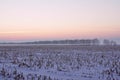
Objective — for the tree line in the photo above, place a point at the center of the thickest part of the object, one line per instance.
(77, 41)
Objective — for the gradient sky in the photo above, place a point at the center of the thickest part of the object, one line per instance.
(22, 20)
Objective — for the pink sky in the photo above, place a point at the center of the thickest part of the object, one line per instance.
(63, 19)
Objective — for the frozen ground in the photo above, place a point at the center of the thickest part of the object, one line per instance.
(59, 62)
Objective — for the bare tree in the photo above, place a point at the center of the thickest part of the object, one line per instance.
(106, 42)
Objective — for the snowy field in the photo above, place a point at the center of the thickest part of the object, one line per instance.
(59, 62)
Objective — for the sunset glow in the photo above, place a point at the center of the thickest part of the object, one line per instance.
(22, 20)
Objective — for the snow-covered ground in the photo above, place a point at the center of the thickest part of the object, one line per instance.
(59, 62)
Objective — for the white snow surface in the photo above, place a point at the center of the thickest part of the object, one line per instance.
(59, 62)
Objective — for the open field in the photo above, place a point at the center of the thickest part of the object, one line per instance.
(59, 62)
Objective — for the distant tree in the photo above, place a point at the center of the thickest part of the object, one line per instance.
(95, 42)
(113, 43)
(88, 42)
(106, 42)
